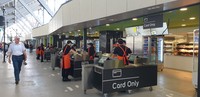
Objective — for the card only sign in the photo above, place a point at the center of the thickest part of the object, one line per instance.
(153, 21)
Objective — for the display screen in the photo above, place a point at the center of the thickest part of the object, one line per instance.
(131, 58)
(103, 59)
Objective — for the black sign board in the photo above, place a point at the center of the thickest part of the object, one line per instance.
(153, 21)
(2, 21)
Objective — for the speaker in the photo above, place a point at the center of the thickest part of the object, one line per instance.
(2, 21)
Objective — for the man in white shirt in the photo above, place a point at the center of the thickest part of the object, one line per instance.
(18, 52)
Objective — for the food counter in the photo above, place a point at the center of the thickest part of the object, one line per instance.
(111, 78)
(178, 62)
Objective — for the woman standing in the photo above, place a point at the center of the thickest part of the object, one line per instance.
(66, 62)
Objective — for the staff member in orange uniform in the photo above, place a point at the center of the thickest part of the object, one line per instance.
(66, 62)
(121, 51)
(38, 53)
(42, 52)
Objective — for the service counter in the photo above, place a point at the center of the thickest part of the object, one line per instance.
(76, 66)
(178, 62)
(76, 69)
(108, 80)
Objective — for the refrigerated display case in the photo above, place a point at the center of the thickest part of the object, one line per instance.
(153, 49)
(195, 58)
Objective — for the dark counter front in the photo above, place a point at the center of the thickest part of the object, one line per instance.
(76, 69)
(122, 79)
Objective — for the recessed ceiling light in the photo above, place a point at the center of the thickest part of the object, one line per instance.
(70, 32)
(183, 9)
(134, 19)
(118, 28)
(79, 34)
(183, 25)
(90, 28)
(192, 18)
(79, 30)
(107, 24)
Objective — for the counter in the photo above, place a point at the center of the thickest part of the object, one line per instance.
(178, 62)
(123, 79)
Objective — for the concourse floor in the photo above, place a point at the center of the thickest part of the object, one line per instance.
(39, 80)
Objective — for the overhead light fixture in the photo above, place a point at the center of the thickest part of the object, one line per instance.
(183, 9)
(63, 33)
(70, 32)
(79, 30)
(90, 28)
(107, 24)
(118, 28)
(183, 25)
(134, 19)
(79, 34)
(192, 18)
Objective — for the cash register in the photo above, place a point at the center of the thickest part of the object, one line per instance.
(102, 60)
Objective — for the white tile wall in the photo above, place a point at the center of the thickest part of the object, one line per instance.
(116, 7)
(85, 10)
(75, 11)
(40, 31)
(66, 14)
(138, 4)
(163, 1)
(98, 9)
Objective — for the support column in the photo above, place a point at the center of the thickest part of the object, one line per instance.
(4, 38)
(198, 77)
(85, 38)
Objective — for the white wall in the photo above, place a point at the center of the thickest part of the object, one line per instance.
(28, 36)
(77, 11)
(163, 1)
(41, 31)
(138, 4)
(85, 10)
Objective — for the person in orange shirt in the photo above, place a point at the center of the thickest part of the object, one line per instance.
(121, 52)
(42, 52)
(66, 62)
(38, 53)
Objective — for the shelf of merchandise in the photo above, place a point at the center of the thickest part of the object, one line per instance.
(168, 47)
(186, 49)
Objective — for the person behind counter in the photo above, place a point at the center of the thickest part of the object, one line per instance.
(66, 63)
(91, 52)
(128, 49)
(122, 51)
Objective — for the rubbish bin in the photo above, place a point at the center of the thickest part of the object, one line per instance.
(87, 77)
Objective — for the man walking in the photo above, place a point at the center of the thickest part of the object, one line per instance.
(18, 52)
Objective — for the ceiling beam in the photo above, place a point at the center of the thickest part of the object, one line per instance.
(30, 11)
(46, 7)
(23, 27)
(24, 17)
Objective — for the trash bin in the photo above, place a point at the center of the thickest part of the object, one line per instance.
(87, 77)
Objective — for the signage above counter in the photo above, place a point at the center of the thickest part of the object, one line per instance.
(153, 21)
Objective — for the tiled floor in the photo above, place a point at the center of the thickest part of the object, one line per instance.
(39, 80)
